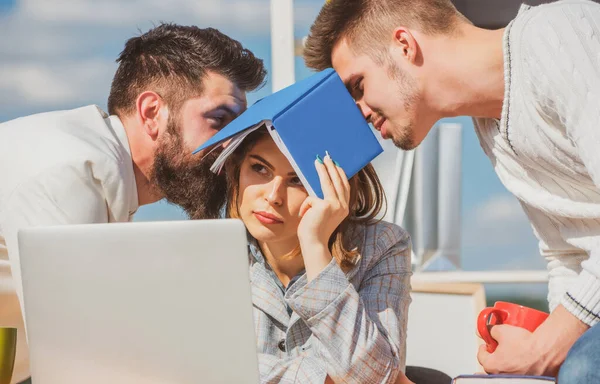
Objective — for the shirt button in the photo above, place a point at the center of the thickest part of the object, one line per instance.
(281, 345)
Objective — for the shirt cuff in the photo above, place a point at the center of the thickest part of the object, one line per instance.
(582, 299)
(309, 299)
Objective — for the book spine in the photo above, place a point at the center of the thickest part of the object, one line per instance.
(303, 95)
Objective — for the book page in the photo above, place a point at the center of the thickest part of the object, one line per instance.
(234, 143)
(282, 147)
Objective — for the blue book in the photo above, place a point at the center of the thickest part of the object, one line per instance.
(502, 379)
(306, 119)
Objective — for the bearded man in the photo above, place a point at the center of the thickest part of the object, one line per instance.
(175, 87)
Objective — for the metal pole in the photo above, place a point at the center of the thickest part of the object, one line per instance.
(449, 194)
(282, 43)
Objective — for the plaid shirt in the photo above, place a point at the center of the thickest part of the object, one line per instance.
(350, 326)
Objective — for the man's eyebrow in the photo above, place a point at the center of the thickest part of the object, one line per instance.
(227, 109)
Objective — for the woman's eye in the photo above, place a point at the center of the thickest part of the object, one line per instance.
(296, 181)
(259, 168)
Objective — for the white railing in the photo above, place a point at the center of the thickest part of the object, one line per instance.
(488, 277)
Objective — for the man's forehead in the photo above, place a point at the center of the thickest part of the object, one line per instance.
(217, 86)
(345, 62)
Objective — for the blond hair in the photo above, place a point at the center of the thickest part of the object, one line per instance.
(366, 24)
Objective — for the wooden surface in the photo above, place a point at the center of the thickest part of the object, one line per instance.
(442, 327)
(454, 288)
(10, 316)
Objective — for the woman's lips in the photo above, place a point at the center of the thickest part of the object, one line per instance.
(267, 218)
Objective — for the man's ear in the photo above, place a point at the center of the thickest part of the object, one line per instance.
(405, 43)
(152, 113)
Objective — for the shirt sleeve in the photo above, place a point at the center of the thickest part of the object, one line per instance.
(363, 333)
(61, 195)
(302, 369)
(563, 43)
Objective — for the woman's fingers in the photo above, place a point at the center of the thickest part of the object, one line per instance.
(326, 183)
(306, 205)
(334, 183)
(345, 182)
(336, 180)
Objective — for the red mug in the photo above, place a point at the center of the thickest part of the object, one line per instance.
(510, 314)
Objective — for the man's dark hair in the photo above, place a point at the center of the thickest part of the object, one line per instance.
(173, 60)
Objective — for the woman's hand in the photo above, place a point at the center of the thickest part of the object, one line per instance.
(320, 217)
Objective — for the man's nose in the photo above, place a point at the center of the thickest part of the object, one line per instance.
(275, 193)
(365, 110)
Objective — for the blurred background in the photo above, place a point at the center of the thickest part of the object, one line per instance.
(60, 54)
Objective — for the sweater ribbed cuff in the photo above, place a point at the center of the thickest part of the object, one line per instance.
(582, 299)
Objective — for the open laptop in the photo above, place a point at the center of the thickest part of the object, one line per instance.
(145, 303)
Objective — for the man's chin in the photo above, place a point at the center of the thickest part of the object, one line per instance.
(405, 146)
(197, 190)
(201, 201)
(405, 143)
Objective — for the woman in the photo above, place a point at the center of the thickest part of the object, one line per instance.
(330, 285)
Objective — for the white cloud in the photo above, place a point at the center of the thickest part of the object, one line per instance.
(119, 13)
(243, 16)
(42, 28)
(499, 220)
(47, 84)
(503, 209)
(497, 235)
(61, 52)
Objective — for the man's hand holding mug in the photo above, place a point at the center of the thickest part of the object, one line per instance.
(508, 314)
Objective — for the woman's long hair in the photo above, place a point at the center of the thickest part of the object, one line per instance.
(367, 199)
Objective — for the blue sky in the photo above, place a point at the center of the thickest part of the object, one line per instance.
(58, 54)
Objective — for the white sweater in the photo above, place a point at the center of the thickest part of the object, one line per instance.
(65, 167)
(546, 147)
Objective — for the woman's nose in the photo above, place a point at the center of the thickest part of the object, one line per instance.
(274, 192)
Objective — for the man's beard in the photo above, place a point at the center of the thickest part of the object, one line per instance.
(405, 85)
(186, 180)
(403, 139)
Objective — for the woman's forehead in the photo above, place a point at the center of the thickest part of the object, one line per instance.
(266, 148)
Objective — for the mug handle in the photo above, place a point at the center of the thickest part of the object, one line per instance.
(482, 327)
